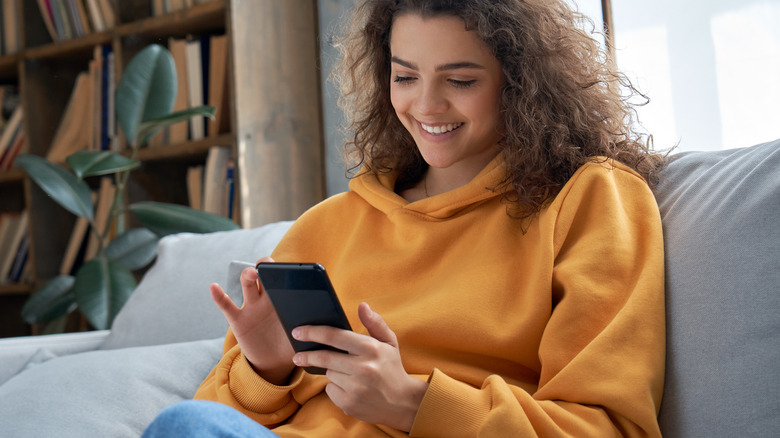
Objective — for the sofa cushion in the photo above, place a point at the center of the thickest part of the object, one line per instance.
(172, 302)
(15, 353)
(114, 393)
(720, 214)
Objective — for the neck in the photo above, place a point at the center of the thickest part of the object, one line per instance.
(440, 180)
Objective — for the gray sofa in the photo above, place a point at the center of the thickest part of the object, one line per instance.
(721, 216)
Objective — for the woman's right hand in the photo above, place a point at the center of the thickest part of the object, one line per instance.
(257, 328)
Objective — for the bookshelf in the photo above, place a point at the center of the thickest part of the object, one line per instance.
(45, 70)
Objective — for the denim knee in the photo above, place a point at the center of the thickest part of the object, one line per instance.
(199, 418)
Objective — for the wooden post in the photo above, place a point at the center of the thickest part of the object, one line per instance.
(278, 120)
(609, 27)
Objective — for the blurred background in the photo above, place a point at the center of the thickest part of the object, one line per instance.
(711, 69)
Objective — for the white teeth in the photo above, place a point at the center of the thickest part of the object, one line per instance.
(441, 129)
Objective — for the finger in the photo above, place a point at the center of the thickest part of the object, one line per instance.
(376, 325)
(257, 283)
(333, 361)
(344, 340)
(223, 301)
(250, 285)
(337, 394)
(266, 260)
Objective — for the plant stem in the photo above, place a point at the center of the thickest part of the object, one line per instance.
(120, 182)
(101, 237)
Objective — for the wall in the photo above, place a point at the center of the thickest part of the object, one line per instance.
(330, 11)
(710, 68)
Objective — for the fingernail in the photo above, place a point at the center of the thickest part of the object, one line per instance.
(296, 333)
(297, 359)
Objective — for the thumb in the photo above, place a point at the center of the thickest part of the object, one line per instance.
(376, 325)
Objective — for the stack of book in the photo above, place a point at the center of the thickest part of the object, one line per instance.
(93, 95)
(66, 19)
(14, 246)
(11, 133)
(211, 187)
(201, 65)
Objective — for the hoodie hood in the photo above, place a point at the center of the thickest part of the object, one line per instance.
(378, 191)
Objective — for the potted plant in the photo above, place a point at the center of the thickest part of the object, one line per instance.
(144, 100)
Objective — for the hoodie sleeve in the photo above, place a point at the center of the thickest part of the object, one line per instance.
(233, 382)
(602, 351)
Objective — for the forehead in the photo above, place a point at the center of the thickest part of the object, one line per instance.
(413, 35)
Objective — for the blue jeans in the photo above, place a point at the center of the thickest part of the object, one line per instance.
(199, 418)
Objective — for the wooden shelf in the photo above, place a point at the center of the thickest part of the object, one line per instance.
(199, 18)
(9, 67)
(12, 176)
(63, 49)
(15, 289)
(190, 148)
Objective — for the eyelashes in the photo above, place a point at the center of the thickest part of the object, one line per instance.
(405, 80)
(462, 84)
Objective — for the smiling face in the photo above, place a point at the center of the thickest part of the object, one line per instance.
(445, 88)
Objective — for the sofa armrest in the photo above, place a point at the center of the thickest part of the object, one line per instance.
(15, 353)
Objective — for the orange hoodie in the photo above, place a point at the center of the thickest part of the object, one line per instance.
(558, 331)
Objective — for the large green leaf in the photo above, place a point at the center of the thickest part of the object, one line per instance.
(102, 287)
(91, 163)
(64, 187)
(147, 129)
(134, 249)
(170, 218)
(146, 91)
(55, 299)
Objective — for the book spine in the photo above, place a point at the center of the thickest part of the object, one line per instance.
(56, 16)
(113, 143)
(78, 28)
(205, 53)
(230, 189)
(20, 261)
(105, 140)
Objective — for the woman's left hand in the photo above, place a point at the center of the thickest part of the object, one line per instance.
(370, 382)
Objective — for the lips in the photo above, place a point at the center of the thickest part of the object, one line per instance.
(440, 129)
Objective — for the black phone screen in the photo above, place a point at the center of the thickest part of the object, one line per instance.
(302, 294)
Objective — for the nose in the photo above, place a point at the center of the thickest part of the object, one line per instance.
(431, 100)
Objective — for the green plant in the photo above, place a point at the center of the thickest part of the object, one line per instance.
(101, 286)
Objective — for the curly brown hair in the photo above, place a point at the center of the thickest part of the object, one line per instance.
(562, 102)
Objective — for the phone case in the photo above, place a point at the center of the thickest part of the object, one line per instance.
(302, 294)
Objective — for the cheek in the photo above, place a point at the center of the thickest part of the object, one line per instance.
(400, 105)
(487, 108)
(396, 99)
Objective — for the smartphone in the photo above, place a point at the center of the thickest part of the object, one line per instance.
(302, 294)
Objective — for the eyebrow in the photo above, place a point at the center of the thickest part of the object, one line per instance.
(441, 67)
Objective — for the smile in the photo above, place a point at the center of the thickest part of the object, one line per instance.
(441, 129)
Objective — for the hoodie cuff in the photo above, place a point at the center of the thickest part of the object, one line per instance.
(257, 394)
(450, 408)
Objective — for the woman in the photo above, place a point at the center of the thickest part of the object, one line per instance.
(499, 253)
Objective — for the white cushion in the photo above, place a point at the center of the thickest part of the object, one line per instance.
(172, 302)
